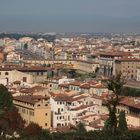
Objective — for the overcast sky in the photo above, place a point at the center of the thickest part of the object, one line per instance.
(70, 15)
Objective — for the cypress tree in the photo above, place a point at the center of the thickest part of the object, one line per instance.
(114, 84)
(122, 122)
(6, 100)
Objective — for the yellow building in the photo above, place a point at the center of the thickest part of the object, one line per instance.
(84, 66)
(87, 66)
(34, 108)
(127, 66)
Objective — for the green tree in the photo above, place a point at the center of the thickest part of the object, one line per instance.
(72, 73)
(6, 99)
(32, 132)
(122, 122)
(107, 124)
(80, 128)
(114, 84)
(25, 46)
(32, 129)
(11, 121)
(45, 135)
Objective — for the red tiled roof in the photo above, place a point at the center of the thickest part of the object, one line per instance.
(75, 83)
(82, 107)
(85, 85)
(116, 54)
(33, 89)
(78, 98)
(131, 102)
(64, 85)
(32, 99)
(62, 97)
(128, 59)
(19, 68)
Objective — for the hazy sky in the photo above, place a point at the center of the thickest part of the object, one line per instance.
(70, 15)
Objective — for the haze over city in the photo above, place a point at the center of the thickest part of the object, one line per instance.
(69, 69)
(120, 16)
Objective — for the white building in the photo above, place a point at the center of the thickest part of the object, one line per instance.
(13, 57)
(61, 115)
(69, 109)
(138, 74)
(11, 76)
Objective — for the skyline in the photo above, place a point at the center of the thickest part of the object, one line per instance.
(70, 16)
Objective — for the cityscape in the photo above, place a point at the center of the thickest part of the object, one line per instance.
(70, 84)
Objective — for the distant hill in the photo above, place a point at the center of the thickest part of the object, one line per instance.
(48, 37)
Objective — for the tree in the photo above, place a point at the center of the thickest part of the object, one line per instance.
(11, 121)
(25, 46)
(46, 135)
(114, 84)
(6, 99)
(107, 124)
(72, 73)
(92, 75)
(122, 122)
(33, 129)
(80, 128)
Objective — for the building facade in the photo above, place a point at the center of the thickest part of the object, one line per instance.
(127, 66)
(34, 108)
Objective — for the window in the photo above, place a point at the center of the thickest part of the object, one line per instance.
(58, 124)
(45, 124)
(38, 105)
(68, 118)
(31, 113)
(6, 73)
(118, 110)
(23, 110)
(46, 114)
(24, 79)
(58, 110)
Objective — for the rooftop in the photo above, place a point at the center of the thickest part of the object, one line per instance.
(31, 99)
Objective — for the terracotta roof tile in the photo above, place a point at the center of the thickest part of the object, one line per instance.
(131, 102)
(29, 99)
